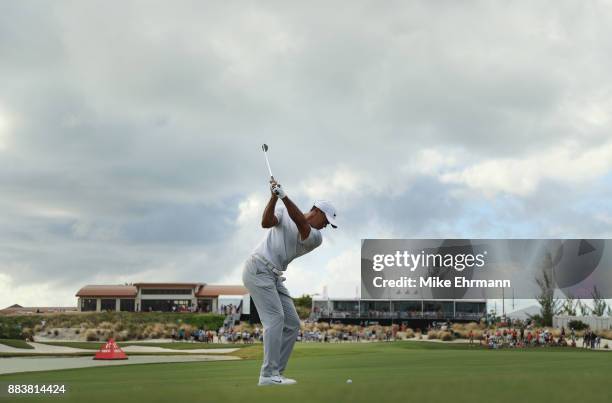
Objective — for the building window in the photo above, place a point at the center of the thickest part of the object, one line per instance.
(205, 305)
(149, 305)
(376, 309)
(470, 310)
(109, 305)
(88, 304)
(408, 309)
(126, 305)
(438, 309)
(345, 306)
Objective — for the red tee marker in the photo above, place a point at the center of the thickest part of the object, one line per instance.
(110, 351)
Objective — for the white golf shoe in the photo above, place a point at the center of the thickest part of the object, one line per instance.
(288, 381)
(275, 380)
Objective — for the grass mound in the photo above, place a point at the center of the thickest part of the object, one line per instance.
(16, 344)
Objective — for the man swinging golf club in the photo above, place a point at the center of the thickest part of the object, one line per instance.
(291, 234)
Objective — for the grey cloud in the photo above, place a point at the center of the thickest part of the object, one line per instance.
(142, 121)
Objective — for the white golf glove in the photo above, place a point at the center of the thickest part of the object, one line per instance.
(277, 189)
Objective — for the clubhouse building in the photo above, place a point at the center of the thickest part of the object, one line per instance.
(202, 297)
(414, 312)
(164, 297)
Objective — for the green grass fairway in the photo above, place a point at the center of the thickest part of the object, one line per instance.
(381, 372)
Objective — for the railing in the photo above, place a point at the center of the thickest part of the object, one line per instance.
(397, 315)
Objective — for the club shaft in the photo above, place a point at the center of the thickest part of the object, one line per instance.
(268, 164)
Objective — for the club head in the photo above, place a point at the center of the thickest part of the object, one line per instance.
(264, 147)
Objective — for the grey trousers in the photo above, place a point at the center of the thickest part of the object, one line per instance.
(277, 313)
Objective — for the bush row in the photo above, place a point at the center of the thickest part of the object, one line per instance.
(131, 323)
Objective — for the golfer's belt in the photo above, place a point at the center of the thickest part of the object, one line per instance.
(268, 264)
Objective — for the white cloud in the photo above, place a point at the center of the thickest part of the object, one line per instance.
(341, 274)
(343, 181)
(250, 209)
(34, 294)
(4, 130)
(565, 164)
(604, 218)
(431, 161)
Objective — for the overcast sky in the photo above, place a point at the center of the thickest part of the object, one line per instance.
(130, 132)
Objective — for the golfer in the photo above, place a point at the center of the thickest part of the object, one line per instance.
(291, 234)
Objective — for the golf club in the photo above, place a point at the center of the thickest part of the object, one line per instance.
(264, 147)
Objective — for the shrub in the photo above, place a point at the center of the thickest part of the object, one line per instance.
(322, 326)
(462, 334)
(577, 325)
(432, 335)
(445, 336)
(27, 333)
(303, 312)
(477, 334)
(242, 327)
(132, 333)
(606, 334)
(91, 335)
(159, 330)
(473, 326)
(55, 332)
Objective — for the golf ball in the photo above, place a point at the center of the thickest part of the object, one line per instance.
(349, 381)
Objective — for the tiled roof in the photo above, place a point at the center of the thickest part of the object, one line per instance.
(168, 285)
(107, 291)
(210, 290)
(203, 290)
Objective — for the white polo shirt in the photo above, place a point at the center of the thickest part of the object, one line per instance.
(283, 243)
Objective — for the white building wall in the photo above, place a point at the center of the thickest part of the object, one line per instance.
(246, 304)
(594, 322)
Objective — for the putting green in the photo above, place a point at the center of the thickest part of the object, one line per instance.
(398, 372)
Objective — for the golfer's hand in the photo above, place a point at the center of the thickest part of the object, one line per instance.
(273, 183)
(277, 190)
